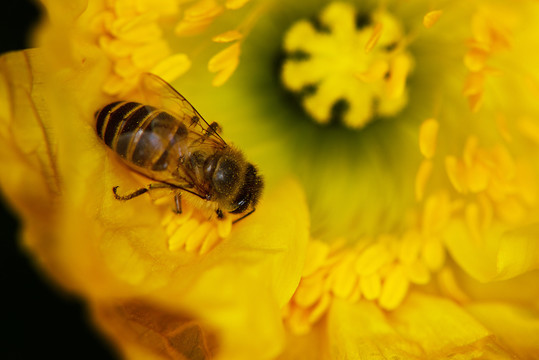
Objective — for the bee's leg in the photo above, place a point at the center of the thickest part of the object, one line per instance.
(128, 196)
(244, 216)
(219, 213)
(178, 203)
(138, 192)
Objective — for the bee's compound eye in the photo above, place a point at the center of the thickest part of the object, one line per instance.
(225, 176)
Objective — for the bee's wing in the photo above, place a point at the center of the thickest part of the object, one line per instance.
(160, 94)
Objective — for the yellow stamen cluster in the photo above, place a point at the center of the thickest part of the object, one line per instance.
(194, 234)
(350, 66)
(491, 34)
(380, 269)
(131, 34)
(500, 185)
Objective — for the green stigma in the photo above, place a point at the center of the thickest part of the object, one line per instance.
(347, 66)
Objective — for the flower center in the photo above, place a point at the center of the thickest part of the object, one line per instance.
(347, 66)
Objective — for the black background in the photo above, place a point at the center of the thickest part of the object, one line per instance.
(37, 321)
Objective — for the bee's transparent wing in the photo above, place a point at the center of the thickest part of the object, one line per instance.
(160, 94)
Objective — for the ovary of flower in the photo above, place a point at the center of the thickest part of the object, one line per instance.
(363, 67)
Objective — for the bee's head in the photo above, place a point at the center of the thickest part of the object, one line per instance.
(236, 184)
(249, 192)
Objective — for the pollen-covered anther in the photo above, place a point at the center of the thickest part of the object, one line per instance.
(355, 70)
(491, 31)
(191, 232)
(131, 34)
(497, 186)
(428, 133)
(381, 272)
(198, 16)
(431, 18)
(225, 63)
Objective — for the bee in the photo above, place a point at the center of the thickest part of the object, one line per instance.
(169, 142)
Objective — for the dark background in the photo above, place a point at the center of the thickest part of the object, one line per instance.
(36, 320)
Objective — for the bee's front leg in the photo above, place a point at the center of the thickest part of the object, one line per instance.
(178, 203)
(219, 213)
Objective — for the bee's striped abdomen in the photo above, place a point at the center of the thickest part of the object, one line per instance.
(141, 134)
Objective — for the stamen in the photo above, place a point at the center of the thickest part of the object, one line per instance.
(422, 176)
(193, 232)
(371, 286)
(431, 18)
(224, 63)
(379, 269)
(428, 133)
(131, 34)
(491, 34)
(394, 288)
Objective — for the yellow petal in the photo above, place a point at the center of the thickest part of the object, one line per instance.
(411, 331)
(518, 252)
(516, 326)
(422, 318)
(478, 259)
(501, 253)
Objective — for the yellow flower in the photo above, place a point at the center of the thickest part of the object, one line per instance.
(397, 141)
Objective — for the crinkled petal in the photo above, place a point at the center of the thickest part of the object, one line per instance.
(516, 326)
(499, 255)
(423, 327)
